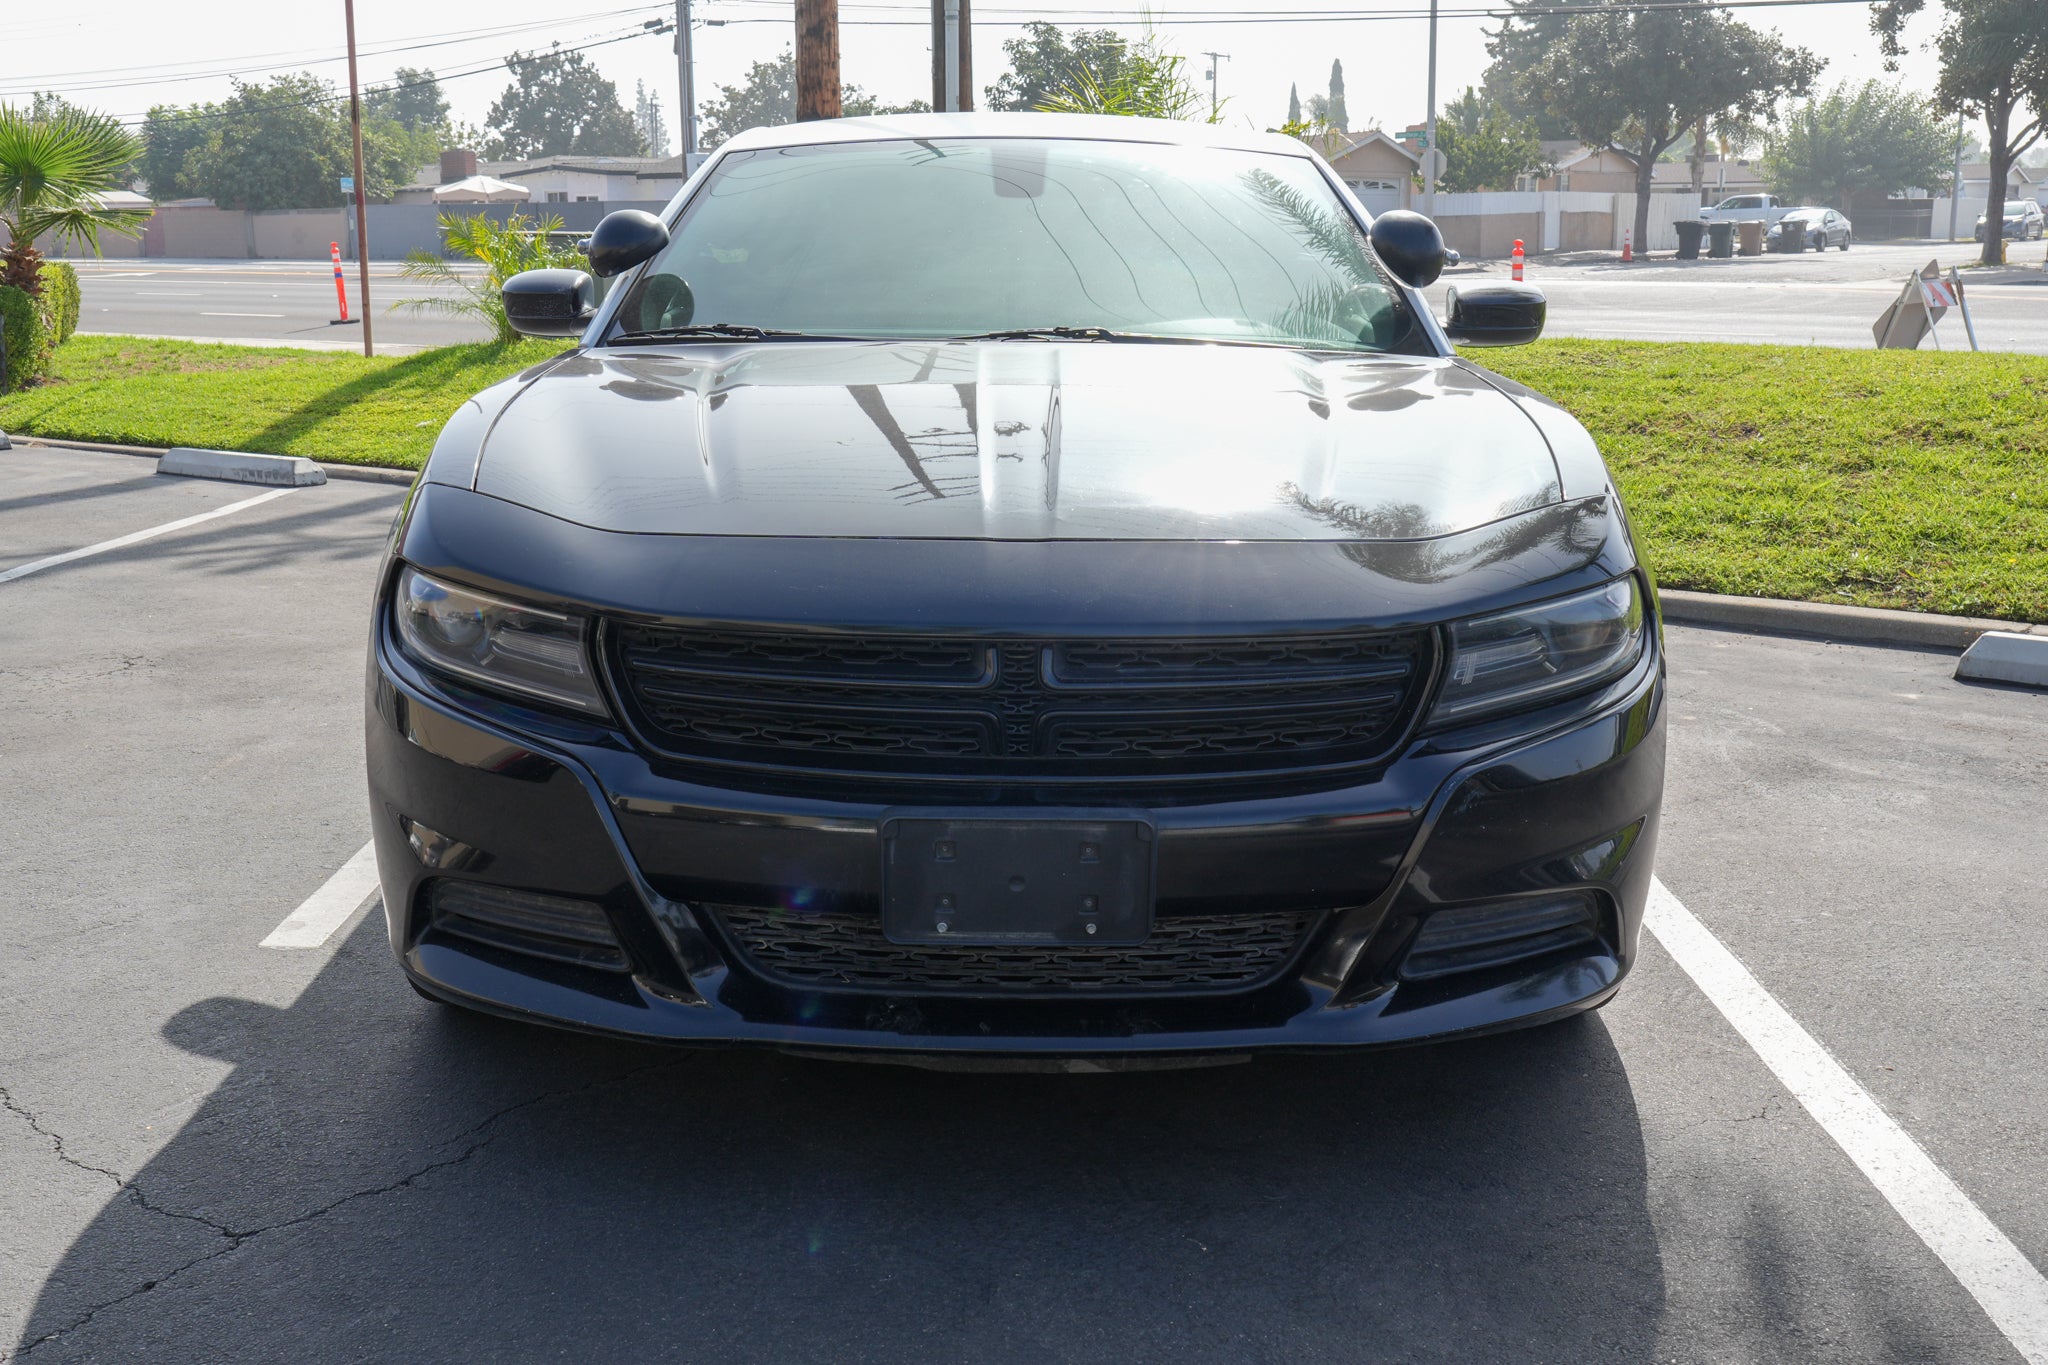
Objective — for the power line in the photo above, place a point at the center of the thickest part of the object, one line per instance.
(258, 64)
(194, 115)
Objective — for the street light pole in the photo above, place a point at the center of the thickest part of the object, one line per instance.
(355, 119)
(686, 83)
(1429, 126)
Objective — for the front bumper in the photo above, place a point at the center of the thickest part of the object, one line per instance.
(466, 787)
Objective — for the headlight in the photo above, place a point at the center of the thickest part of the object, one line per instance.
(500, 644)
(1520, 659)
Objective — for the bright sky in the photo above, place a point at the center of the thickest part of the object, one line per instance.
(125, 55)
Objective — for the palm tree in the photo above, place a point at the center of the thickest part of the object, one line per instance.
(53, 171)
(504, 250)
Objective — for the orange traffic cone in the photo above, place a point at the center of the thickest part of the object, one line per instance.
(1628, 251)
(1518, 258)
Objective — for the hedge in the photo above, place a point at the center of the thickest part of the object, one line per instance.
(60, 297)
(26, 331)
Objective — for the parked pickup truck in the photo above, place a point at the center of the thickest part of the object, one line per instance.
(1740, 208)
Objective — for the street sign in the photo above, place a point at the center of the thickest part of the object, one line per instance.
(1432, 165)
(348, 184)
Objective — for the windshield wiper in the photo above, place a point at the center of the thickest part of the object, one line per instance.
(702, 329)
(1052, 334)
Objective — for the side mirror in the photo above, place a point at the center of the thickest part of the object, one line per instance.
(623, 239)
(550, 303)
(1409, 245)
(1496, 315)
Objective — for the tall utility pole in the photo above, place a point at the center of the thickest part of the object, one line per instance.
(1429, 127)
(952, 56)
(686, 82)
(355, 119)
(1216, 59)
(1955, 191)
(817, 59)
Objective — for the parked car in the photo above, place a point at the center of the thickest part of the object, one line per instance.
(1128, 627)
(1809, 229)
(1746, 208)
(2023, 221)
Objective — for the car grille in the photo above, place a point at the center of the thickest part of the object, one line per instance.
(1187, 954)
(982, 709)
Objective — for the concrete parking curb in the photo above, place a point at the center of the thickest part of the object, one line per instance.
(2008, 657)
(234, 466)
(1858, 625)
(363, 473)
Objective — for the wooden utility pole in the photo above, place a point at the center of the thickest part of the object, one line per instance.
(355, 118)
(686, 83)
(817, 59)
(952, 56)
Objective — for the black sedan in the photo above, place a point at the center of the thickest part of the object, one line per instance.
(1809, 229)
(1016, 585)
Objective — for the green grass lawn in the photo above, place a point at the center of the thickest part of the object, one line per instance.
(1886, 478)
(1883, 478)
(327, 405)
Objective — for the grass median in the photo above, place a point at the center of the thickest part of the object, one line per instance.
(326, 405)
(1883, 478)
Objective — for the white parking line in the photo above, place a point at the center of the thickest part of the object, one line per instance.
(327, 909)
(38, 565)
(2002, 1280)
(241, 315)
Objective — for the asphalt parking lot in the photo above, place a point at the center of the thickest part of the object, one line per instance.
(214, 1150)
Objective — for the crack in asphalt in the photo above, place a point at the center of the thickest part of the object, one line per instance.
(237, 1238)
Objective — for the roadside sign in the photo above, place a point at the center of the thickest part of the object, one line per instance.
(1925, 301)
(348, 184)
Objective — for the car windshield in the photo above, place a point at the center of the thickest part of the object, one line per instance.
(937, 238)
(2015, 210)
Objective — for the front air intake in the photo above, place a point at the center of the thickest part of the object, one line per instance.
(529, 922)
(1473, 937)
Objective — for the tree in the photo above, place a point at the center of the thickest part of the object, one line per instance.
(1994, 66)
(1646, 77)
(767, 99)
(52, 174)
(413, 100)
(647, 118)
(1149, 82)
(1873, 139)
(169, 136)
(1044, 61)
(1339, 116)
(1485, 147)
(558, 104)
(283, 145)
(1293, 105)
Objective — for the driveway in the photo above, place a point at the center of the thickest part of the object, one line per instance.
(215, 1150)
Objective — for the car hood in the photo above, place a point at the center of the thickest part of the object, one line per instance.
(1016, 441)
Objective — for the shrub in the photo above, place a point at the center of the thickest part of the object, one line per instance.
(505, 249)
(60, 298)
(27, 337)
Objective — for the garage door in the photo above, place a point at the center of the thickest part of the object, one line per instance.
(1378, 196)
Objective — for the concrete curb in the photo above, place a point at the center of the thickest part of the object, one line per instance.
(362, 473)
(233, 466)
(1859, 625)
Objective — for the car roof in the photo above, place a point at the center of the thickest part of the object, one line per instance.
(1089, 127)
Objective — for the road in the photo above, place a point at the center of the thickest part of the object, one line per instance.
(1826, 298)
(1830, 298)
(213, 1150)
(271, 303)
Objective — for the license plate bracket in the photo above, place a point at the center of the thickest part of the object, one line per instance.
(997, 881)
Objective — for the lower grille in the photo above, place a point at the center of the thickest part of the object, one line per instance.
(1188, 954)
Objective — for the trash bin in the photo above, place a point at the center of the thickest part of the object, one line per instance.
(1689, 230)
(1752, 236)
(1791, 238)
(1724, 239)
